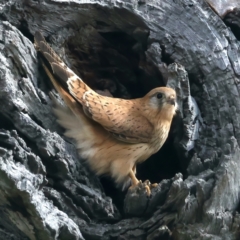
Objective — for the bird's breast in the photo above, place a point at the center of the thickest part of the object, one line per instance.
(160, 136)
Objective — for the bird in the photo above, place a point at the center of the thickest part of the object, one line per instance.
(112, 134)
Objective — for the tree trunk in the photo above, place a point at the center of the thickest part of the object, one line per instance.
(125, 48)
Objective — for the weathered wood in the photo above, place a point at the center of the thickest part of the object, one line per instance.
(223, 7)
(47, 191)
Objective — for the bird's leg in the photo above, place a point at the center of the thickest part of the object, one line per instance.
(135, 181)
(150, 185)
(134, 169)
(133, 178)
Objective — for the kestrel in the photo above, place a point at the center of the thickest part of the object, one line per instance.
(112, 134)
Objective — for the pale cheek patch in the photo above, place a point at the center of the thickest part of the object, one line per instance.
(154, 103)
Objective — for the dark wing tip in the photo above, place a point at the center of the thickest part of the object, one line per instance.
(49, 57)
(61, 72)
(38, 37)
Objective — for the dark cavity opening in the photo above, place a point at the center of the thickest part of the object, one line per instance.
(232, 21)
(23, 28)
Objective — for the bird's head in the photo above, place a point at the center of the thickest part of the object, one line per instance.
(162, 100)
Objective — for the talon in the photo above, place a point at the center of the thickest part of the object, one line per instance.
(147, 185)
(148, 190)
(147, 182)
(154, 185)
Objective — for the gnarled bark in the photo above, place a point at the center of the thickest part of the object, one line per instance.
(126, 47)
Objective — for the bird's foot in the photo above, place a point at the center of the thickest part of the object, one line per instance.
(153, 185)
(135, 183)
(149, 186)
(146, 184)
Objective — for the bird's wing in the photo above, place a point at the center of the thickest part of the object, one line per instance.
(121, 118)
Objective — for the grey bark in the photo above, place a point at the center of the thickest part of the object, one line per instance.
(47, 190)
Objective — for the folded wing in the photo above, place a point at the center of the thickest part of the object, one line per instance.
(123, 119)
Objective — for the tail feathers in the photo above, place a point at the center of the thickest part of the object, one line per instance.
(79, 127)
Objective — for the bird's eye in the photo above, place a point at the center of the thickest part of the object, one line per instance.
(159, 95)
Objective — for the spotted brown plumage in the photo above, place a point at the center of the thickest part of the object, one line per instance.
(112, 134)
